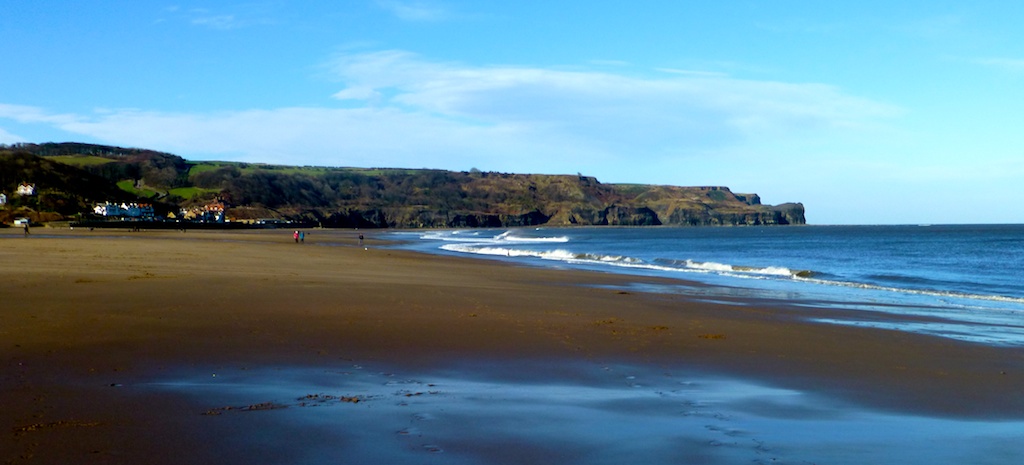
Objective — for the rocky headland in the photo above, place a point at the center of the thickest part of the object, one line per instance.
(69, 178)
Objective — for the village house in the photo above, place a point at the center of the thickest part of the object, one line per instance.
(209, 213)
(26, 189)
(124, 210)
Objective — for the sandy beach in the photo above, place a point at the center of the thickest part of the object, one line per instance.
(245, 347)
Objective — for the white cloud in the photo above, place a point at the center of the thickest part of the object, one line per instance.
(935, 27)
(357, 93)
(8, 138)
(244, 15)
(683, 108)
(1007, 64)
(30, 114)
(402, 110)
(222, 22)
(415, 10)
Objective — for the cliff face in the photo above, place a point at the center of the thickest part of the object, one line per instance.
(371, 198)
(534, 200)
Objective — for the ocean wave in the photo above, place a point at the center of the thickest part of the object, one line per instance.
(557, 254)
(475, 237)
(922, 292)
(510, 236)
(630, 262)
(737, 269)
(496, 246)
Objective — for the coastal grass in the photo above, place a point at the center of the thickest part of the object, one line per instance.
(128, 185)
(192, 192)
(81, 161)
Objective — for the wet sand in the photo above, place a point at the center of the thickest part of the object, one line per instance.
(169, 347)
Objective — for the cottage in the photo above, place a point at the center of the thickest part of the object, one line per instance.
(26, 189)
(124, 210)
(107, 209)
(209, 213)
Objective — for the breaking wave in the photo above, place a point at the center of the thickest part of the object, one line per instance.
(737, 269)
(911, 291)
(625, 261)
(476, 237)
(514, 244)
(558, 254)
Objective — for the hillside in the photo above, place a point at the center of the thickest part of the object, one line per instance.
(61, 190)
(369, 198)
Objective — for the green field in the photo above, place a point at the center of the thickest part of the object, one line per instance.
(249, 168)
(80, 160)
(190, 192)
(129, 186)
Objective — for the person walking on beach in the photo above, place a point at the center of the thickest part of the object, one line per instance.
(296, 236)
(302, 237)
(26, 228)
(360, 240)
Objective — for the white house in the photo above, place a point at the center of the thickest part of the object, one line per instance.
(130, 210)
(3, 199)
(26, 189)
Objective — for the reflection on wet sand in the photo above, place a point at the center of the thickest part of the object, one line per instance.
(572, 413)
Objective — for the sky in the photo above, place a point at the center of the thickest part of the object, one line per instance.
(867, 112)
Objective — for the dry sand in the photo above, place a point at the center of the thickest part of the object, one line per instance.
(88, 319)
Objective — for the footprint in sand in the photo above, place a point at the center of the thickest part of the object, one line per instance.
(409, 432)
(434, 449)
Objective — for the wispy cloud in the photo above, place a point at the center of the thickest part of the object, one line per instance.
(800, 26)
(250, 15)
(582, 102)
(30, 114)
(403, 110)
(415, 10)
(222, 22)
(935, 27)
(8, 138)
(1007, 64)
(689, 72)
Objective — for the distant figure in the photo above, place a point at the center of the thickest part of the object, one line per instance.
(296, 236)
(360, 240)
(26, 229)
(302, 237)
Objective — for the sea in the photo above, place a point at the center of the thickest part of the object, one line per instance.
(964, 282)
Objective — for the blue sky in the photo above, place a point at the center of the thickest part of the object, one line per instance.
(865, 111)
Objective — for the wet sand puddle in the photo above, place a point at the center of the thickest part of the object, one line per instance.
(497, 414)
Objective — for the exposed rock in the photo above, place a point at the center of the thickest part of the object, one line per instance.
(365, 197)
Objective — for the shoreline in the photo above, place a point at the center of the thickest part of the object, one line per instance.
(94, 316)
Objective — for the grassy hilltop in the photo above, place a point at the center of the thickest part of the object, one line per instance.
(70, 177)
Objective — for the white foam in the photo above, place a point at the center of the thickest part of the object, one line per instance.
(475, 237)
(925, 292)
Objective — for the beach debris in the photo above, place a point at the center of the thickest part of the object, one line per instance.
(308, 400)
(55, 424)
(711, 336)
(246, 408)
(263, 406)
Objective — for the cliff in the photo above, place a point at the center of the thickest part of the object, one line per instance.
(373, 198)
